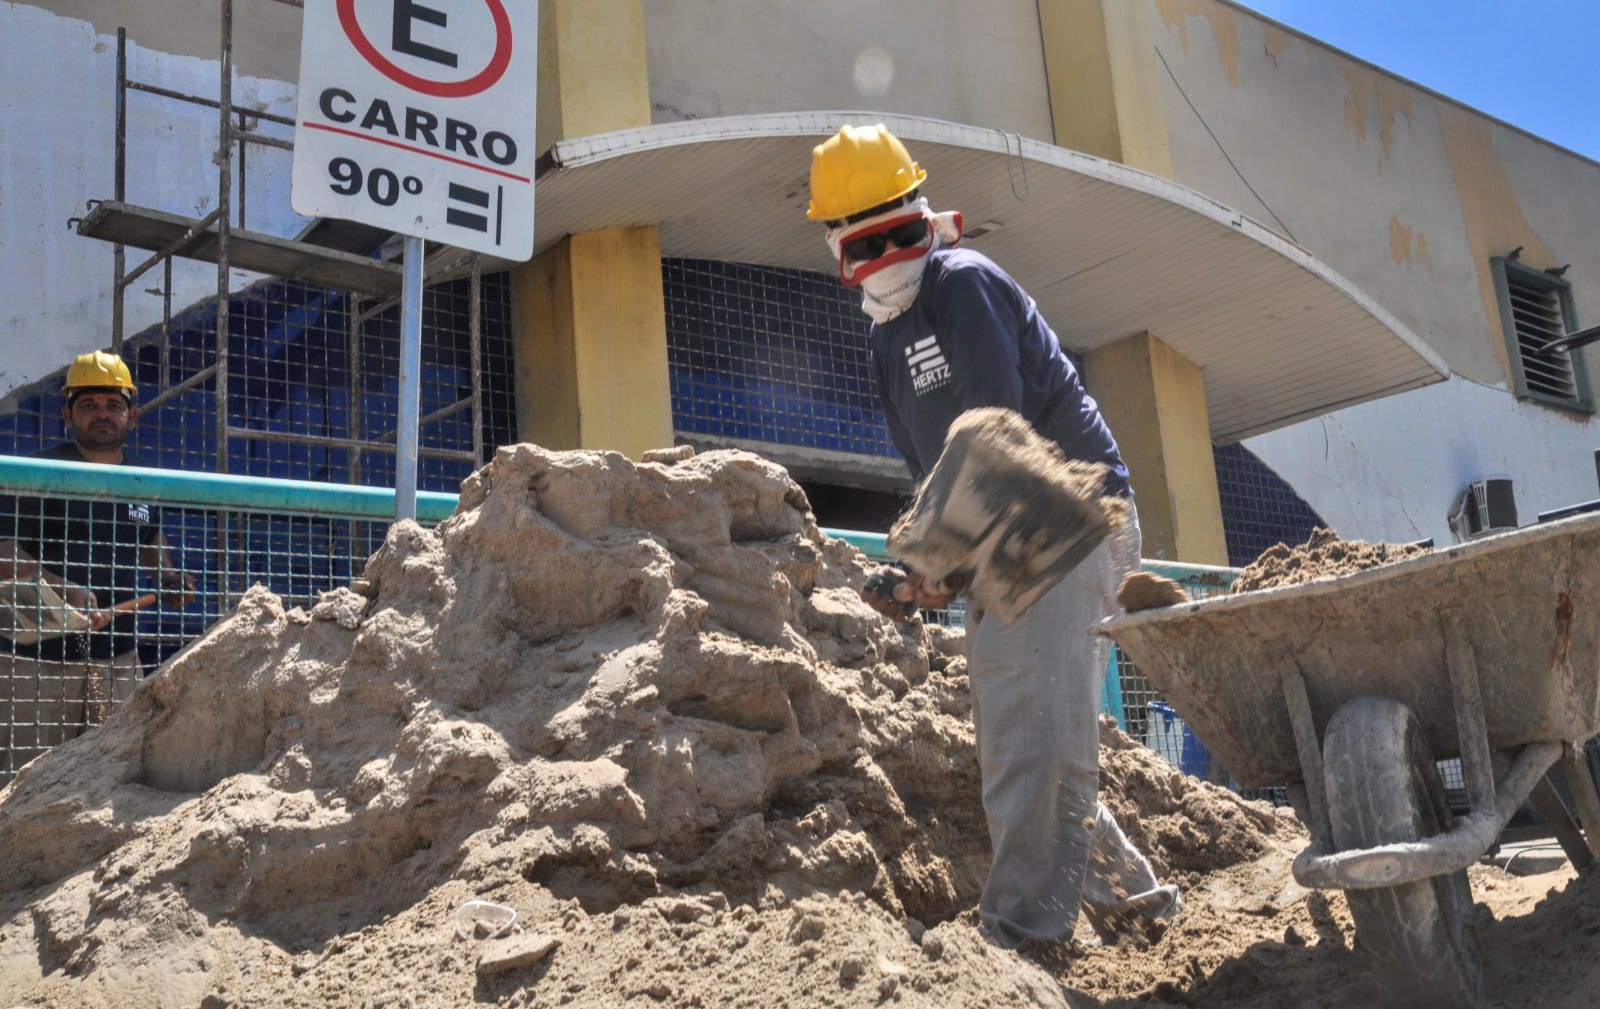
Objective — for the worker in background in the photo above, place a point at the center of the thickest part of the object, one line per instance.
(952, 331)
(87, 552)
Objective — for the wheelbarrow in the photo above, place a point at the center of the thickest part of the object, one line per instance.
(1348, 690)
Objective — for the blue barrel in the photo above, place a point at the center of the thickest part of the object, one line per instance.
(1170, 736)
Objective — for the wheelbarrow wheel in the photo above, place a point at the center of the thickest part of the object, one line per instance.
(1383, 787)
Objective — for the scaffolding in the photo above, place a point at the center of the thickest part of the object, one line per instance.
(344, 256)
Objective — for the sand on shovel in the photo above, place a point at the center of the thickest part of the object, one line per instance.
(1004, 515)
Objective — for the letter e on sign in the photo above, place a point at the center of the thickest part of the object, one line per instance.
(418, 116)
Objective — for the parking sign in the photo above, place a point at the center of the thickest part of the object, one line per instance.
(418, 116)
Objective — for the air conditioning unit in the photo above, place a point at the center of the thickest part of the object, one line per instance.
(1486, 506)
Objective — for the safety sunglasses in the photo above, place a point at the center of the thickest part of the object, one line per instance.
(905, 235)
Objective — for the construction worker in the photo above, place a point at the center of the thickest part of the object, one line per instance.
(87, 552)
(952, 331)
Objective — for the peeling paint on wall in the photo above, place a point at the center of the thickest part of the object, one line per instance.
(1399, 241)
(1494, 219)
(1370, 88)
(1401, 247)
(1224, 29)
(1278, 41)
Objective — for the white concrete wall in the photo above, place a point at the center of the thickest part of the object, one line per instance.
(266, 34)
(1393, 470)
(57, 149)
(1408, 195)
(977, 63)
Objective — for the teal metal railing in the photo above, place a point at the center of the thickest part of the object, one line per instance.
(52, 478)
(301, 538)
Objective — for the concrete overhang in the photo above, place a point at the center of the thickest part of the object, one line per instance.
(1108, 251)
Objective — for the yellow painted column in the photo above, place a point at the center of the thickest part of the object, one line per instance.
(592, 72)
(589, 314)
(1155, 401)
(591, 353)
(1101, 71)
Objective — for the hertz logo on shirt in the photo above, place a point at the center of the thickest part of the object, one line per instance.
(929, 369)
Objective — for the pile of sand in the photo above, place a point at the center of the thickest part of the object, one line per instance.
(640, 707)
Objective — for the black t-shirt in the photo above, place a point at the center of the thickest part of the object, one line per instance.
(93, 543)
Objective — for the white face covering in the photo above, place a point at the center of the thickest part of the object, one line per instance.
(890, 288)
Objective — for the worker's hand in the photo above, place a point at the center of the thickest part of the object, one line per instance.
(887, 592)
(924, 594)
(177, 588)
(81, 599)
(896, 592)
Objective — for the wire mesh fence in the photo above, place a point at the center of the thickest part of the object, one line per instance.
(167, 554)
(770, 355)
(1136, 704)
(156, 558)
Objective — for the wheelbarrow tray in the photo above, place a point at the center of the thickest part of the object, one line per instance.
(1529, 601)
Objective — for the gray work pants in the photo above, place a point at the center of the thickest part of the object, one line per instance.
(1035, 705)
(45, 703)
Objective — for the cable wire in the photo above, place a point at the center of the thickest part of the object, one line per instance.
(1202, 119)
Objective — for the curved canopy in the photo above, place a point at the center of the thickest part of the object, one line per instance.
(1108, 251)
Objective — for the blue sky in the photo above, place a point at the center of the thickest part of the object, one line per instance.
(1534, 65)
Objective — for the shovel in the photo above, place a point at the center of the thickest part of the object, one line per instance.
(1004, 515)
(36, 611)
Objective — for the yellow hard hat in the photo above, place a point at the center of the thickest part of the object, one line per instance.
(99, 370)
(862, 167)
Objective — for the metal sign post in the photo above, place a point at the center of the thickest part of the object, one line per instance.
(418, 116)
(405, 438)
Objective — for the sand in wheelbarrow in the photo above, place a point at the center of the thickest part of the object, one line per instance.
(1322, 555)
(615, 734)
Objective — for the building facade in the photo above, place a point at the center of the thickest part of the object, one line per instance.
(1304, 289)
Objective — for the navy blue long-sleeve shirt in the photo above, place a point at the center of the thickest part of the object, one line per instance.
(974, 338)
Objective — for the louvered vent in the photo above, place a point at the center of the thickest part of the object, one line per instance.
(1543, 340)
(1538, 318)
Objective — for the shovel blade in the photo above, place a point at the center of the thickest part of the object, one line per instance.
(1004, 514)
(31, 611)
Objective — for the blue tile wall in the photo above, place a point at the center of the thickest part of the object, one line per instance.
(770, 355)
(1259, 510)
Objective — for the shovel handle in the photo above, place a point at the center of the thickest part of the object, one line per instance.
(130, 605)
